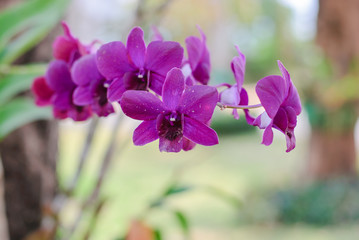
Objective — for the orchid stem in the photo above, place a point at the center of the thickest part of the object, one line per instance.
(223, 85)
(222, 106)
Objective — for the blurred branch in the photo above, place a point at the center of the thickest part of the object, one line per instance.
(93, 197)
(93, 221)
(84, 154)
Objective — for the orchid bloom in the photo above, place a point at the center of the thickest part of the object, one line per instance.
(58, 78)
(281, 102)
(198, 58)
(236, 94)
(135, 66)
(68, 48)
(91, 86)
(179, 120)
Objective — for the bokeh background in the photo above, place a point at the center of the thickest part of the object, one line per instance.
(238, 189)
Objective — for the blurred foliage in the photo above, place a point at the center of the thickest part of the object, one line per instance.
(26, 25)
(322, 203)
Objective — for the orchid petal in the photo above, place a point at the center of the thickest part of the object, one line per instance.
(41, 91)
(82, 96)
(271, 92)
(163, 56)
(141, 105)
(84, 71)
(238, 66)
(115, 90)
(188, 144)
(156, 82)
(62, 100)
(112, 60)
(173, 88)
(145, 133)
(136, 47)
(58, 76)
(268, 135)
(199, 132)
(198, 102)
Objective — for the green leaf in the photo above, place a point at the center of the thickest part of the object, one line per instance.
(174, 189)
(27, 24)
(19, 112)
(183, 222)
(17, 80)
(157, 234)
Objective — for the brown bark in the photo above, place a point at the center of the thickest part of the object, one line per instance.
(29, 157)
(29, 160)
(332, 151)
(332, 154)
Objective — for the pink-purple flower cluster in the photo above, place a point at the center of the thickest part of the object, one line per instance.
(149, 83)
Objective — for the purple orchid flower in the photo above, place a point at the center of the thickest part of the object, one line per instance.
(91, 87)
(198, 58)
(281, 102)
(42, 92)
(236, 94)
(58, 78)
(136, 67)
(68, 48)
(179, 120)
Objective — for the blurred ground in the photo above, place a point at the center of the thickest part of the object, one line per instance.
(239, 166)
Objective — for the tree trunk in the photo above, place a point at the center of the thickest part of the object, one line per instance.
(29, 161)
(332, 150)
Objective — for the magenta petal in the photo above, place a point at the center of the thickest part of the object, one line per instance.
(268, 135)
(163, 56)
(293, 99)
(271, 91)
(136, 47)
(281, 120)
(188, 144)
(194, 48)
(290, 140)
(115, 90)
(141, 105)
(292, 117)
(199, 132)
(79, 113)
(262, 121)
(244, 101)
(112, 60)
(238, 66)
(59, 114)
(157, 36)
(198, 102)
(82, 96)
(230, 96)
(285, 74)
(156, 82)
(173, 88)
(170, 146)
(58, 76)
(41, 91)
(64, 48)
(145, 133)
(84, 71)
(102, 110)
(62, 100)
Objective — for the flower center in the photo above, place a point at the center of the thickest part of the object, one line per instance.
(171, 126)
(136, 81)
(101, 94)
